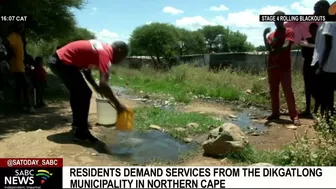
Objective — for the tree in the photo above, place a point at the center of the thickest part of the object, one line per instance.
(158, 40)
(76, 34)
(49, 18)
(261, 48)
(45, 47)
(237, 42)
(213, 36)
(190, 42)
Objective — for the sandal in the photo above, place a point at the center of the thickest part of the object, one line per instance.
(296, 122)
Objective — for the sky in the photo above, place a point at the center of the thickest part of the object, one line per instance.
(112, 20)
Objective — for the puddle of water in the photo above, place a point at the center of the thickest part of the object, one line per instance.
(244, 120)
(141, 147)
(122, 91)
(168, 108)
(119, 89)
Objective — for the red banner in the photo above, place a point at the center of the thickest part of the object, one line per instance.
(31, 162)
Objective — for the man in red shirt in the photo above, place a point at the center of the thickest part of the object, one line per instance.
(279, 44)
(82, 56)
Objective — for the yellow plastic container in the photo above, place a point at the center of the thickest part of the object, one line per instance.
(125, 120)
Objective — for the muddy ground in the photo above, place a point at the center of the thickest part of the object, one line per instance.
(46, 134)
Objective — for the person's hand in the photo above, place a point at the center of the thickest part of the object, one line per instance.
(121, 108)
(319, 71)
(303, 43)
(267, 31)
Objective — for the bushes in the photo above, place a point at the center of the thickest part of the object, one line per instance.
(319, 150)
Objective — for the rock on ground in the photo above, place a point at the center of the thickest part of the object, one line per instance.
(225, 139)
(262, 165)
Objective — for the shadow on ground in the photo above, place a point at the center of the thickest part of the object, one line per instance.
(46, 118)
(279, 121)
(66, 138)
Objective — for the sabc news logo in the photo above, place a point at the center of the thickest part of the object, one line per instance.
(28, 177)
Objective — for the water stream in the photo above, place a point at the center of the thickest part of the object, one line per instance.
(141, 147)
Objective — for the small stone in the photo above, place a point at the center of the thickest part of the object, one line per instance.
(45, 121)
(251, 128)
(93, 154)
(248, 91)
(225, 161)
(261, 164)
(232, 116)
(292, 127)
(193, 125)
(38, 130)
(180, 129)
(187, 140)
(255, 134)
(155, 127)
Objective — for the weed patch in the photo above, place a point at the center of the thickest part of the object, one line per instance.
(169, 120)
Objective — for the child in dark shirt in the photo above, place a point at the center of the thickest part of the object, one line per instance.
(309, 76)
(39, 76)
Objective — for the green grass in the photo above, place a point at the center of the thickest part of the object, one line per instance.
(168, 120)
(250, 156)
(184, 82)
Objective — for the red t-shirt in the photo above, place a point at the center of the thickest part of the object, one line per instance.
(277, 39)
(87, 54)
(40, 74)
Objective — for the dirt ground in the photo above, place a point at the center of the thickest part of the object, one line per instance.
(46, 134)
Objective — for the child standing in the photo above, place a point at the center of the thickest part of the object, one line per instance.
(39, 81)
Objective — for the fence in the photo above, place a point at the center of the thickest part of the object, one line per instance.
(254, 62)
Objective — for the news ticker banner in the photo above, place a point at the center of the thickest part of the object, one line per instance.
(296, 18)
(49, 173)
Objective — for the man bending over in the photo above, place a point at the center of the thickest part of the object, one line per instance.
(82, 56)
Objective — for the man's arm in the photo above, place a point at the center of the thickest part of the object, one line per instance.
(266, 42)
(106, 90)
(289, 40)
(305, 44)
(267, 45)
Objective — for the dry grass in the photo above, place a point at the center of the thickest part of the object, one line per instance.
(185, 81)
